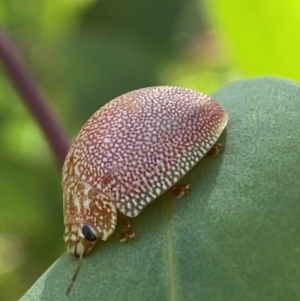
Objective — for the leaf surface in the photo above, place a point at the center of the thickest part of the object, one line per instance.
(235, 236)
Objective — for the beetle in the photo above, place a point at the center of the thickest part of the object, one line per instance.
(128, 153)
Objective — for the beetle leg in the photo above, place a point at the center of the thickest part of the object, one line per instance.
(215, 150)
(127, 233)
(179, 190)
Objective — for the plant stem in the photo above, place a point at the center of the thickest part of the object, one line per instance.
(33, 97)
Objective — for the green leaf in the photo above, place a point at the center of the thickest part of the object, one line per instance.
(235, 236)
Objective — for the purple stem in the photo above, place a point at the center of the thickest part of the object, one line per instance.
(33, 97)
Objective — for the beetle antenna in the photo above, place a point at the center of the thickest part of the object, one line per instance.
(75, 275)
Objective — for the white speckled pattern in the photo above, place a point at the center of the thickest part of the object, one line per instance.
(139, 145)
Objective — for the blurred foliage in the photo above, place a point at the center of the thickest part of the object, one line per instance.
(81, 51)
(261, 35)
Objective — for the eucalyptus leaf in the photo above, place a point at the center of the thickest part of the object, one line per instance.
(235, 236)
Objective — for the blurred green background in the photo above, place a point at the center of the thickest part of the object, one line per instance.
(80, 51)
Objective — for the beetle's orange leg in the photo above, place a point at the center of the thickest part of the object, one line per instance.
(127, 233)
(179, 190)
(215, 150)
